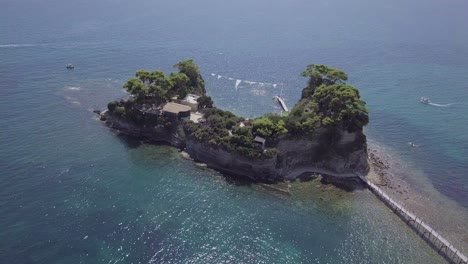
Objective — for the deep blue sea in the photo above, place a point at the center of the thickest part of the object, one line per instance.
(71, 191)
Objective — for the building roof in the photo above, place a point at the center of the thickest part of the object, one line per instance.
(259, 139)
(192, 98)
(176, 108)
(195, 117)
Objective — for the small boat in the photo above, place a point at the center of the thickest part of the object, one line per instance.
(425, 100)
(70, 66)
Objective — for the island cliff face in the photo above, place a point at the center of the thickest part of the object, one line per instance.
(320, 135)
(294, 158)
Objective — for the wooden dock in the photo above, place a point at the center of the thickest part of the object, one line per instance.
(434, 239)
(282, 103)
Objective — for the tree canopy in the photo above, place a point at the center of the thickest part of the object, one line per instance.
(136, 87)
(341, 104)
(205, 101)
(190, 69)
(159, 87)
(327, 101)
(321, 74)
(269, 126)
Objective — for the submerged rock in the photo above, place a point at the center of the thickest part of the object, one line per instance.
(185, 155)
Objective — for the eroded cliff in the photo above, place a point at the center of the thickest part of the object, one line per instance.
(323, 133)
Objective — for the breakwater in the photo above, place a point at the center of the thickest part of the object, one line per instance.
(427, 233)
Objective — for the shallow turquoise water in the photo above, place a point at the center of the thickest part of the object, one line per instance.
(73, 192)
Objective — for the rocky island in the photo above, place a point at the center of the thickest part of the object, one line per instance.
(323, 133)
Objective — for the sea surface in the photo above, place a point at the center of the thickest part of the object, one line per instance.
(71, 191)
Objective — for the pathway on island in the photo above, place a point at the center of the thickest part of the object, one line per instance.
(433, 238)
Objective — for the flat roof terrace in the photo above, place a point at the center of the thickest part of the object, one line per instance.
(176, 108)
(195, 117)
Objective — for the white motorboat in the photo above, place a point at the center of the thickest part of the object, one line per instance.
(425, 100)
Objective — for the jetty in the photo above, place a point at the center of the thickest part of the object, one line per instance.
(282, 103)
(427, 233)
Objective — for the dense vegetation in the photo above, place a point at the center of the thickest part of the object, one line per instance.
(150, 89)
(226, 130)
(160, 88)
(327, 102)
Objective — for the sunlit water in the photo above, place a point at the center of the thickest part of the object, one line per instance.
(71, 191)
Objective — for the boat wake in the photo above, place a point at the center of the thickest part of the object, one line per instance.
(426, 101)
(441, 105)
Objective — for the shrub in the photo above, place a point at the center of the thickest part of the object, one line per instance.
(119, 111)
(112, 105)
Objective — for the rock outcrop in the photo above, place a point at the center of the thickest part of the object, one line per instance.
(294, 158)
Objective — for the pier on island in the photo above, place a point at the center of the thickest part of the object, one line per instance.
(282, 103)
(427, 233)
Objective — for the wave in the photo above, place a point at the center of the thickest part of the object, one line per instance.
(72, 100)
(73, 88)
(17, 45)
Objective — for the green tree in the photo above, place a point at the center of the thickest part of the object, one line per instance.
(280, 128)
(111, 106)
(190, 69)
(205, 101)
(342, 105)
(136, 87)
(131, 83)
(159, 93)
(180, 83)
(119, 111)
(242, 131)
(321, 74)
(263, 127)
(159, 79)
(143, 75)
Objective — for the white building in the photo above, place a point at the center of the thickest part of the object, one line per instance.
(191, 100)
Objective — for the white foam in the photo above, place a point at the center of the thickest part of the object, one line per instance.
(441, 105)
(237, 83)
(73, 88)
(17, 45)
(72, 100)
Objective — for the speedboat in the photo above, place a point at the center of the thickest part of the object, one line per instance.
(70, 66)
(425, 100)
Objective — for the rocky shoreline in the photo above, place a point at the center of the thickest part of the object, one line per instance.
(418, 196)
(380, 170)
(379, 174)
(294, 158)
